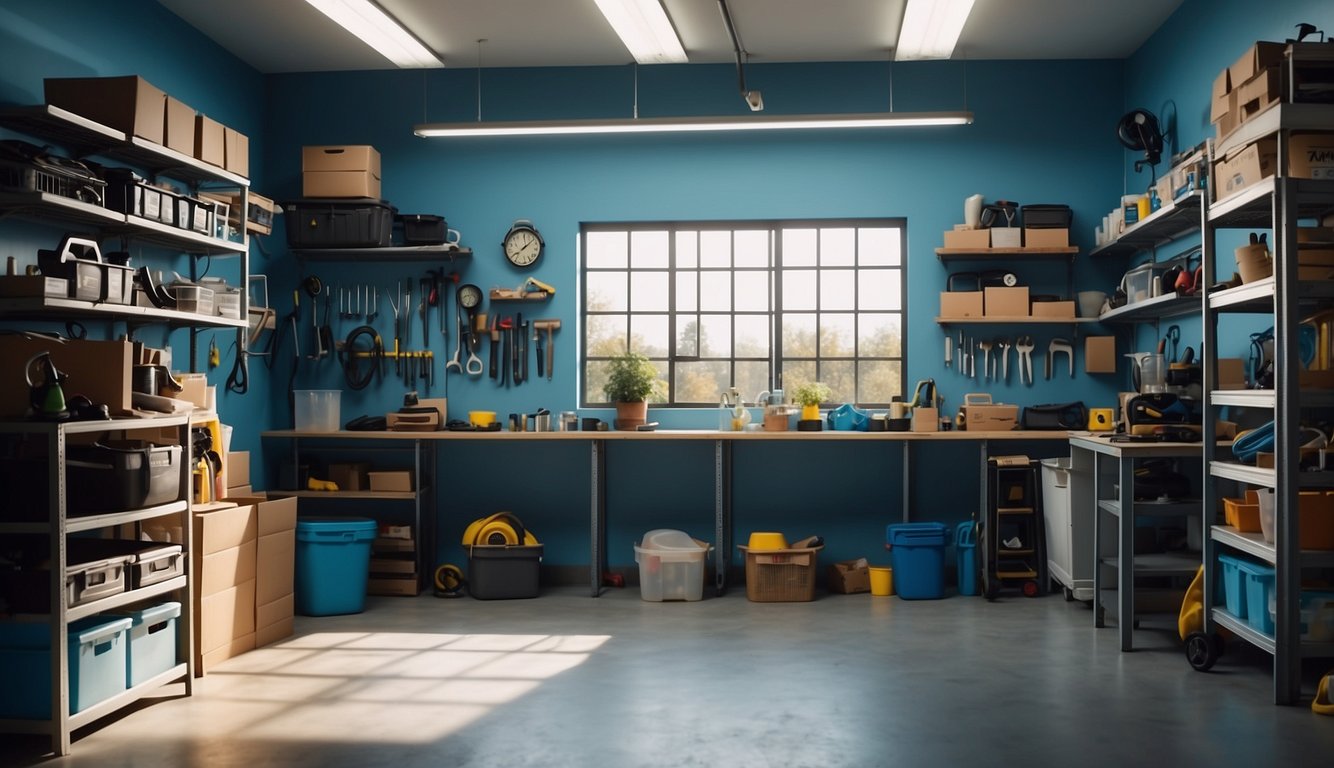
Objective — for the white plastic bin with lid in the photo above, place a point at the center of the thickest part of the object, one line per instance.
(1069, 527)
(318, 410)
(671, 566)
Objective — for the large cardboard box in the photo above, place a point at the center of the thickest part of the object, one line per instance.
(226, 616)
(1255, 60)
(222, 570)
(236, 151)
(340, 171)
(990, 417)
(968, 238)
(210, 141)
(1100, 354)
(179, 130)
(1245, 166)
(1311, 155)
(1005, 302)
(276, 566)
(1046, 238)
(98, 369)
(961, 304)
(238, 468)
(1257, 94)
(129, 104)
(274, 621)
(1059, 309)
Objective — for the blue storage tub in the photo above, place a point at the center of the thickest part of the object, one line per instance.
(1259, 586)
(152, 641)
(965, 555)
(333, 561)
(97, 661)
(918, 554)
(1233, 584)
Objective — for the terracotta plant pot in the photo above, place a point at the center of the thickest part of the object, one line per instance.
(631, 415)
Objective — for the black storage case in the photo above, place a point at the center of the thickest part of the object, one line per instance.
(339, 223)
(1045, 216)
(118, 477)
(503, 572)
(422, 228)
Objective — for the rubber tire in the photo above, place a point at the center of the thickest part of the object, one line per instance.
(1202, 651)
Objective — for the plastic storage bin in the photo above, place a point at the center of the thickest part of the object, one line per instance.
(504, 571)
(1233, 584)
(1248, 590)
(918, 552)
(97, 662)
(1315, 615)
(781, 575)
(333, 560)
(671, 566)
(150, 561)
(318, 410)
(121, 476)
(152, 642)
(965, 555)
(339, 223)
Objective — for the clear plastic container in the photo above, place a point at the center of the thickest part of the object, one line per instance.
(318, 410)
(671, 566)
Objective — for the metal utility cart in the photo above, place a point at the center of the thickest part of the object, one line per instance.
(1010, 535)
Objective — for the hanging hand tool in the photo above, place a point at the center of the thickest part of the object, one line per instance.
(454, 362)
(550, 326)
(506, 325)
(516, 345)
(326, 330)
(407, 314)
(495, 344)
(1024, 344)
(470, 298)
(1005, 345)
(949, 351)
(1061, 345)
(523, 341)
(985, 346)
(424, 308)
(398, 361)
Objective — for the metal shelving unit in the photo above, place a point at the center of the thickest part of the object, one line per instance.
(54, 436)
(1174, 220)
(1276, 203)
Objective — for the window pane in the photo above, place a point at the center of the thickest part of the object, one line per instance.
(799, 335)
(838, 289)
(648, 250)
(607, 335)
(715, 338)
(877, 289)
(701, 383)
(606, 292)
(687, 291)
(649, 334)
(837, 247)
(715, 291)
(878, 335)
(607, 250)
(662, 394)
(878, 247)
(799, 289)
(752, 336)
(687, 335)
(836, 335)
(842, 380)
(878, 381)
(752, 248)
(687, 249)
(798, 247)
(796, 373)
(594, 380)
(715, 249)
(751, 379)
(648, 291)
(752, 291)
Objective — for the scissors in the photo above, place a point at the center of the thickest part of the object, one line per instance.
(1174, 336)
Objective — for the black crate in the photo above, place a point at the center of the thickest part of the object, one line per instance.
(422, 228)
(503, 572)
(1045, 216)
(117, 477)
(339, 223)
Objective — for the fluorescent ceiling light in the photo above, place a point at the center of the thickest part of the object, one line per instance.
(931, 28)
(375, 28)
(695, 124)
(645, 29)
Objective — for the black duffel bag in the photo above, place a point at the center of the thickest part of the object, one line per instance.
(1055, 416)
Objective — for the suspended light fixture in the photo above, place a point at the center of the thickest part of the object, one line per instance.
(645, 29)
(931, 28)
(377, 29)
(755, 122)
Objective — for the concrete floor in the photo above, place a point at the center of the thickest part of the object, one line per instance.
(566, 680)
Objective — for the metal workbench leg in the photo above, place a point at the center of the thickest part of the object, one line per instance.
(418, 477)
(1125, 553)
(907, 480)
(722, 513)
(598, 524)
(1098, 611)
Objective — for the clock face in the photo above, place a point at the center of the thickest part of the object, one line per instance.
(523, 246)
(469, 296)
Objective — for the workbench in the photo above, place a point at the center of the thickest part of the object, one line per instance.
(722, 447)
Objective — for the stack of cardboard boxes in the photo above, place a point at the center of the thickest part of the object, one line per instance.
(340, 171)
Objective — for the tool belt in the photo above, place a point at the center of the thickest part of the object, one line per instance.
(1054, 416)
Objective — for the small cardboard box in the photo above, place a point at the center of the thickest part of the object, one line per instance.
(393, 565)
(1218, 104)
(238, 468)
(961, 304)
(1100, 354)
(394, 586)
(236, 151)
(1231, 373)
(1228, 123)
(397, 481)
(210, 142)
(1005, 302)
(1244, 167)
(350, 476)
(1007, 237)
(179, 130)
(340, 171)
(925, 419)
(968, 238)
(1255, 60)
(1311, 155)
(1046, 238)
(1060, 309)
(995, 417)
(129, 104)
(849, 577)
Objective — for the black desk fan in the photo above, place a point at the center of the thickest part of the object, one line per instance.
(1138, 130)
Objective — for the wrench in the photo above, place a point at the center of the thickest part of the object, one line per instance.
(458, 347)
(1061, 345)
(985, 346)
(1024, 344)
(1004, 345)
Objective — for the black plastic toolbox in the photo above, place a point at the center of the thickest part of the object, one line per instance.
(503, 572)
(339, 223)
(1045, 216)
(422, 228)
(121, 476)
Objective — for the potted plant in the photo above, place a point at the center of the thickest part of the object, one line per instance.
(809, 396)
(631, 379)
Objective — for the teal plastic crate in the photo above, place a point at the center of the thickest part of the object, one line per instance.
(917, 551)
(97, 663)
(1259, 587)
(333, 560)
(1232, 583)
(153, 641)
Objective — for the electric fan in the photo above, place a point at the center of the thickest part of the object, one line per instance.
(1138, 130)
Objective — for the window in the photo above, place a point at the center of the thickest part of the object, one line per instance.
(755, 305)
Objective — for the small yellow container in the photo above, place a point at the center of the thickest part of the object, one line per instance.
(763, 540)
(481, 418)
(882, 581)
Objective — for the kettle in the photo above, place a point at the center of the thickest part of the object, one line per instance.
(47, 396)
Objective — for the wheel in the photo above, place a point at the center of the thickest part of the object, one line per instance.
(1203, 650)
(1030, 589)
(1069, 595)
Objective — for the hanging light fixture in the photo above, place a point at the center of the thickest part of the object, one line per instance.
(931, 28)
(645, 29)
(377, 29)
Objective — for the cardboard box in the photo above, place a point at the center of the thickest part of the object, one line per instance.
(1311, 155)
(226, 616)
(238, 491)
(1005, 302)
(849, 577)
(1257, 94)
(397, 481)
(1007, 237)
(968, 238)
(129, 104)
(225, 527)
(204, 663)
(393, 546)
(276, 546)
(350, 476)
(340, 171)
(179, 129)
(1218, 104)
(925, 419)
(224, 569)
(394, 586)
(210, 142)
(992, 417)
(272, 633)
(1060, 309)
(236, 151)
(1255, 60)
(961, 304)
(1231, 373)
(1245, 166)
(1046, 238)
(238, 468)
(392, 565)
(1100, 354)
(98, 369)
(1228, 123)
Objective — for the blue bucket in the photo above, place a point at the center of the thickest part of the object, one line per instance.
(333, 562)
(918, 554)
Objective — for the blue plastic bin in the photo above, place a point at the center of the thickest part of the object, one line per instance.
(1259, 586)
(918, 554)
(97, 660)
(965, 556)
(152, 641)
(1233, 584)
(333, 562)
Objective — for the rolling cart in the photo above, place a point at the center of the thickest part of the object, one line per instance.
(1010, 537)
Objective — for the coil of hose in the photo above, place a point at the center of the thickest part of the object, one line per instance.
(355, 350)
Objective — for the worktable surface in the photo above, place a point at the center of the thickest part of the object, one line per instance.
(682, 434)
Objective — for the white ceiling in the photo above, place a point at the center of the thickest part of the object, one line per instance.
(291, 36)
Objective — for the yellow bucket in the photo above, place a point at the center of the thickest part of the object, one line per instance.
(882, 581)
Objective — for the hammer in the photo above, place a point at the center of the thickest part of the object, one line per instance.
(550, 326)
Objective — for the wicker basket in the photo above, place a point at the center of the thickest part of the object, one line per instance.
(781, 575)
